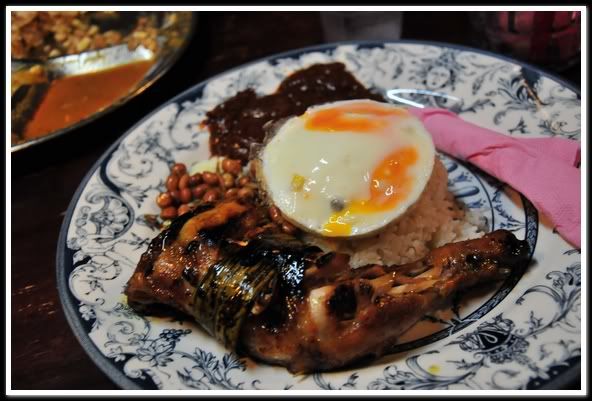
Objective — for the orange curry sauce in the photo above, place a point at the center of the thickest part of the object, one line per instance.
(77, 97)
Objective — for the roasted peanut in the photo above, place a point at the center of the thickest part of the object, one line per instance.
(244, 180)
(172, 183)
(246, 194)
(176, 195)
(210, 178)
(228, 180)
(195, 180)
(211, 195)
(199, 190)
(168, 213)
(232, 166)
(184, 181)
(231, 193)
(179, 169)
(164, 200)
(185, 195)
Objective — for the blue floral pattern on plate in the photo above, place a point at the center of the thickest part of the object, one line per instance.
(518, 335)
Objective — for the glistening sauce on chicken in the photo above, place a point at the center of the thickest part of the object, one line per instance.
(238, 122)
(72, 99)
(284, 302)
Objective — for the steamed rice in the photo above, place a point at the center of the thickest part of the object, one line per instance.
(435, 220)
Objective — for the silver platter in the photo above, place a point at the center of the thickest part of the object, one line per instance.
(172, 41)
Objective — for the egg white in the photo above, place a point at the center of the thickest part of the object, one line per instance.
(338, 166)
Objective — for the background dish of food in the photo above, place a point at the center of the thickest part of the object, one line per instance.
(44, 34)
(103, 235)
(50, 49)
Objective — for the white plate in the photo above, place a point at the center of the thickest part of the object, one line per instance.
(525, 333)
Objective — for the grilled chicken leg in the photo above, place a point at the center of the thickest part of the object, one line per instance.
(283, 302)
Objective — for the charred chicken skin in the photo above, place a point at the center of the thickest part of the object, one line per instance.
(271, 296)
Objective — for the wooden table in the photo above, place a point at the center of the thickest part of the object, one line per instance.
(45, 354)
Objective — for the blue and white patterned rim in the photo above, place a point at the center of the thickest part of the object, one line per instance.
(501, 327)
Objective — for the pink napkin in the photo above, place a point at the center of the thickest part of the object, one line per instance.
(543, 169)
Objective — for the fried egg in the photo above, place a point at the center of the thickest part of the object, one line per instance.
(347, 168)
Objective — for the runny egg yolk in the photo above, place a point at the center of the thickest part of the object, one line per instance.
(347, 168)
(353, 118)
(389, 183)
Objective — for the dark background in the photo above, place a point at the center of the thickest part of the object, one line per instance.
(45, 354)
